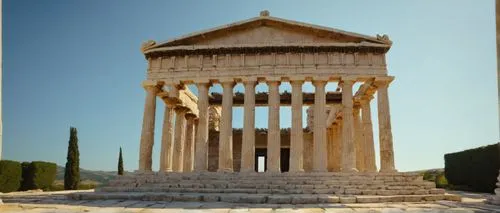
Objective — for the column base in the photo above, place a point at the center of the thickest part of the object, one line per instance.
(349, 170)
(296, 171)
(228, 170)
(388, 171)
(247, 171)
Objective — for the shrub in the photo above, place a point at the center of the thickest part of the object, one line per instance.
(10, 176)
(474, 169)
(441, 181)
(38, 175)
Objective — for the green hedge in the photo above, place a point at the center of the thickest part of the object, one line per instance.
(10, 176)
(38, 175)
(474, 169)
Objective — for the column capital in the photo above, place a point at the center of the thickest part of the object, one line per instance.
(181, 110)
(347, 81)
(249, 79)
(319, 83)
(273, 82)
(190, 116)
(203, 84)
(297, 82)
(152, 86)
(383, 81)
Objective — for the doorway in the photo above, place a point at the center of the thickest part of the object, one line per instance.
(261, 159)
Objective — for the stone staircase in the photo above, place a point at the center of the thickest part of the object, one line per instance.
(328, 187)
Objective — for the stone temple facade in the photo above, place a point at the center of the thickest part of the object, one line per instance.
(332, 160)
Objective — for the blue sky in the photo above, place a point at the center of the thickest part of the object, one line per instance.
(78, 63)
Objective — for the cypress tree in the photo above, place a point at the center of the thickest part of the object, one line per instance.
(72, 169)
(120, 163)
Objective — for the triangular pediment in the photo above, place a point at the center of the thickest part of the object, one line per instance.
(269, 30)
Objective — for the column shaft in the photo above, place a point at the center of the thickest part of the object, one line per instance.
(319, 145)
(348, 146)
(189, 144)
(179, 140)
(358, 139)
(337, 147)
(296, 133)
(368, 136)
(248, 138)
(226, 129)
(385, 132)
(148, 128)
(273, 134)
(167, 139)
(201, 154)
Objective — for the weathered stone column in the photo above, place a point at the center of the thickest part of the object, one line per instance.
(370, 165)
(179, 139)
(188, 158)
(296, 133)
(167, 138)
(248, 138)
(273, 134)
(358, 139)
(337, 146)
(319, 132)
(226, 129)
(148, 127)
(384, 124)
(201, 153)
(348, 146)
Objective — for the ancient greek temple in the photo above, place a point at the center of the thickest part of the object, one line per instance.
(331, 160)
(268, 50)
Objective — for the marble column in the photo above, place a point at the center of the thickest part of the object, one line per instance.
(358, 139)
(319, 132)
(226, 129)
(273, 134)
(329, 144)
(148, 128)
(296, 134)
(370, 165)
(167, 138)
(188, 158)
(337, 146)
(248, 138)
(179, 139)
(348, 145)
(201, 152)
(384, 124)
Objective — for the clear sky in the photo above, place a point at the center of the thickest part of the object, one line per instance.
(78, 63)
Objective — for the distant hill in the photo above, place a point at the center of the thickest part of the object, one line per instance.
(100, 177)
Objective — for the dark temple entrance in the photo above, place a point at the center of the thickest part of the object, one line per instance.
(284, 159)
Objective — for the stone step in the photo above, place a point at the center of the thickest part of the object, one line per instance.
(291, 190)
(260, 198)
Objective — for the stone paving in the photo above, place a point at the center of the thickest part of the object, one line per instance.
(44, 202)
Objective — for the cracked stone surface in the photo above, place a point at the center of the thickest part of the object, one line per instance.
(42, 202)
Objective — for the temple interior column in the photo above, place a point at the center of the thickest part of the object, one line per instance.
(348, 146)
(337, 146)
(329, 144)
(296, 133)
(226, 129)
(167, 138)
(201, 147)
(370, 165)
(273, 135)
(179, 139)
(248, 138)
(358, 139)
(319, 144)
(148, 127)
(384, 123)
(189, 144)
